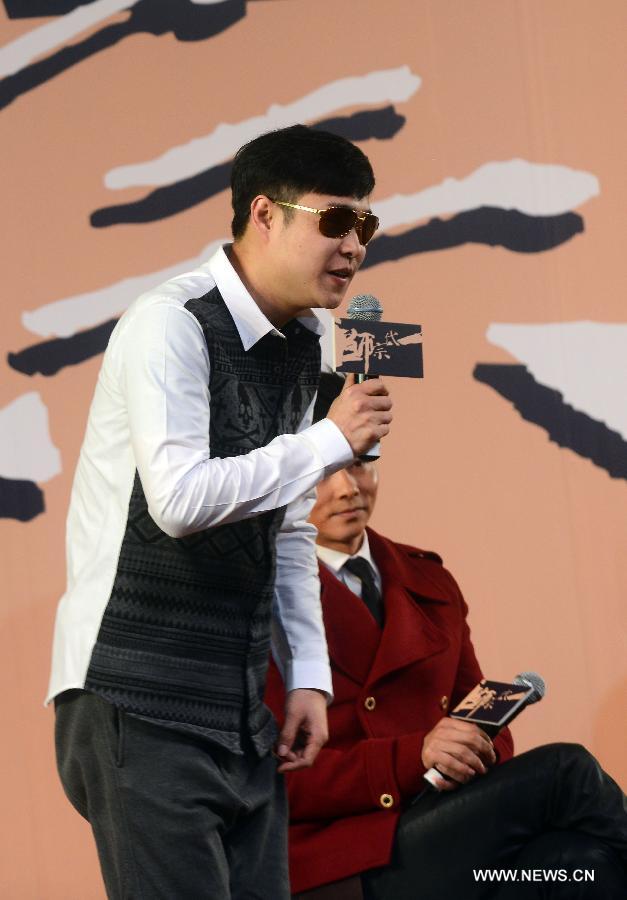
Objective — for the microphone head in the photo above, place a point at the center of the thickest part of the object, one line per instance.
(532, 680)
(365, 307)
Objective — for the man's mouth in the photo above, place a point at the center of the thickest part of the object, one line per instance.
(348, 512)
(345, 273)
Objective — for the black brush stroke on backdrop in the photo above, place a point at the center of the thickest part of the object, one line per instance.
(477, 226)
(382, 124)
(489, 225)
(31, 9)
(564, 425)
(186, 20)
(48, 357)
(21, 500)
(164, 202)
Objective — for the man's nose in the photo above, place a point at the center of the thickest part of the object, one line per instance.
(351, 246)
(346, 486)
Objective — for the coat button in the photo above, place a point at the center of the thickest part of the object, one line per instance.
(444, 703)
(370, 704)
(386, 801)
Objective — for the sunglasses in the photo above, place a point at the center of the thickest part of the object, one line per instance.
(338, 221)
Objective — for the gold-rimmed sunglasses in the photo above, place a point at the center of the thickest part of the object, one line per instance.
(338, 221)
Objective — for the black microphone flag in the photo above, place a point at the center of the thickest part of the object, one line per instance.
(379, 348)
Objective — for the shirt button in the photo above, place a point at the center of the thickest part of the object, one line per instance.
(370, 704)
(444, 703)
(386, 801)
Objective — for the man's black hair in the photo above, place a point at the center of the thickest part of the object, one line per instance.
(290, 162)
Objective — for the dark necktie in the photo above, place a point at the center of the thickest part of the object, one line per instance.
(360, 567)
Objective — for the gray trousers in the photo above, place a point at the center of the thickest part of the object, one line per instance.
(174, 816)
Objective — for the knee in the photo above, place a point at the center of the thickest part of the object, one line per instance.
(575, 758)
(566, 756)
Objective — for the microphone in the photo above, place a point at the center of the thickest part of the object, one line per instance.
(366, 308)
(492, 705)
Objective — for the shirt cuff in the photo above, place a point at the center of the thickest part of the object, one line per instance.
(311, 674)
(329, 444)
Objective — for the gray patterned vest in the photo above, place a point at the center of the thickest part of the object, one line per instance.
(186, 632)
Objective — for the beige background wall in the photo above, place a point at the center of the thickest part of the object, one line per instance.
(533, 528)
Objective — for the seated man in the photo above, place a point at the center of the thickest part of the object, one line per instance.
(401, 657)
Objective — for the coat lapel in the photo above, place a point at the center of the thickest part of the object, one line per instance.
(353, 635)
(411, 593)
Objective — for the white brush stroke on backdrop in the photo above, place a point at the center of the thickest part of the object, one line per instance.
(45, 38)
(585, 361)
(26, 449)
(40, 41)
(63, 318)
(536, 189)
(389, 85)
(569, 188)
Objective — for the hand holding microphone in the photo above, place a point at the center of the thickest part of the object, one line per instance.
(362, 412)
(454, 752)
(460, 746)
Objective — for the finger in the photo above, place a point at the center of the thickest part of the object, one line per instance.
(442, 752)
(287, 737)
(468, 758)
(481, 744)
(373, 386)
(487, 753)
(378, 402)
(470, 736)
(292, 766)
(287, 757)
(455, 768)
(312, 748)
(304, 761)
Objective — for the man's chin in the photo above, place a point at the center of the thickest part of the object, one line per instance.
(333, 300)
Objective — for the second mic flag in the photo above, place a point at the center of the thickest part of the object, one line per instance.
(492, 704)
(379, 348)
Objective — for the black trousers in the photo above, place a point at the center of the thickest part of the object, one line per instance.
(551, 810)
(174, 816)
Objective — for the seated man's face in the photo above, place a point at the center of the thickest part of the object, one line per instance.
(344, 506)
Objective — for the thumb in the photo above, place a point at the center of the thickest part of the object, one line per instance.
(349, 381)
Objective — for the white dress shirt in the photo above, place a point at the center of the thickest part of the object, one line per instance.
(334, 560)
(150, 413)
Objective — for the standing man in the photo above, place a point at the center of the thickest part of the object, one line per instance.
(188, 542)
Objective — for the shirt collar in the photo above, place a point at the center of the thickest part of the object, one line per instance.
(335, 559)
(249, 320)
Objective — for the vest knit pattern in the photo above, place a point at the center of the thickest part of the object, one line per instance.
(185, 636)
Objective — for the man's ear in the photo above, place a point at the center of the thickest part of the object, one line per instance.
(263, 215)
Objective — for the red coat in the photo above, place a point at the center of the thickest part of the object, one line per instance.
(390, 688)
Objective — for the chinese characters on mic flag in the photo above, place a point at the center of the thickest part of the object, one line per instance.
(379, 348)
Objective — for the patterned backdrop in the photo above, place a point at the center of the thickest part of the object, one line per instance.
(495, 131)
